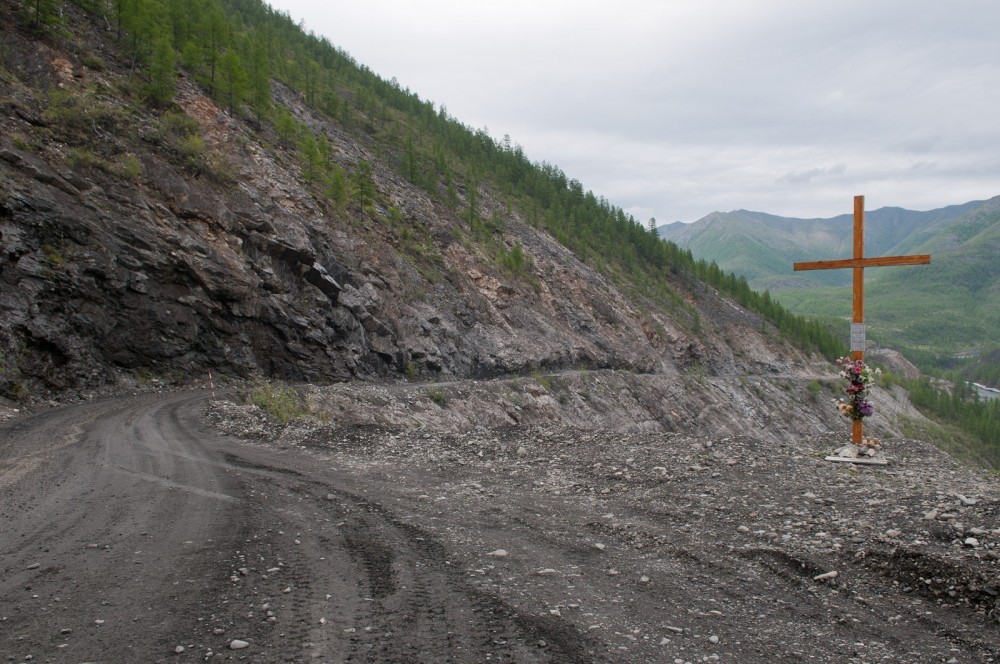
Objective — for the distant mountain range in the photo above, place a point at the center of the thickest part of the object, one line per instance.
(950, 307)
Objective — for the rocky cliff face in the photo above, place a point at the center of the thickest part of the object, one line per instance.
(122, 255)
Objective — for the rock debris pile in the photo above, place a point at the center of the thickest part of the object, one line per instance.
(651, 541)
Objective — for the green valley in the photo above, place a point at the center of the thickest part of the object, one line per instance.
(941, 316)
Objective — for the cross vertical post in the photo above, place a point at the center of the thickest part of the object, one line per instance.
(858, 264)
(858, 317)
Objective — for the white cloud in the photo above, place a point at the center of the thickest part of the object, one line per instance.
(677, 108)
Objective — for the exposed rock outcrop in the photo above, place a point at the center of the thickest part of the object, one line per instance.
(117, 255)
(171, 270)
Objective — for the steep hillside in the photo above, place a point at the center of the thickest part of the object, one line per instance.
(150, 239)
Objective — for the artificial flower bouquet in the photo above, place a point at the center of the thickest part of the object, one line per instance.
(860, 377)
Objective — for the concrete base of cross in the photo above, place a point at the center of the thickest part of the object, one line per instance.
(853, 454)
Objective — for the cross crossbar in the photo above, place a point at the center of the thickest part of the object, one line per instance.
(858, 263)
(915, 259)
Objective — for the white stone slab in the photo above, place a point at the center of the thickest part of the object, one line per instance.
(870, 461)
(850, 454)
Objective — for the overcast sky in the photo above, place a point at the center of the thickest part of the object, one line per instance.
(676, 108)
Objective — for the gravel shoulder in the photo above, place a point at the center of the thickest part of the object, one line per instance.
(663, 546)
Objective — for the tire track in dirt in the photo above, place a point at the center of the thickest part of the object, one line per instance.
(411, 603)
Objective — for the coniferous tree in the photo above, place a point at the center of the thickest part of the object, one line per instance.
(259, 82)
(362, 184)
(214, 33)
(42, 14)
(336, 188)
(233, 80)
(162, 70)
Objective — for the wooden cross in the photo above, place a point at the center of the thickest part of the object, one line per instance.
(858, 263)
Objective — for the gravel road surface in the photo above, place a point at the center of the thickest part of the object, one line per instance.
(134, 530)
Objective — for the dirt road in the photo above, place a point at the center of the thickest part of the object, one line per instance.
(130, 532)
(133, 532)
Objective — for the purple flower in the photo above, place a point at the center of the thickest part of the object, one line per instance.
(865, 408)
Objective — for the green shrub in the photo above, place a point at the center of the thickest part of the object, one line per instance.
(93, 62)
(191, 149)
(79, 114)
(86, 157)
(279, 401)
(438, 396)
(544, 381)
(176, 125)
(53, 255)
(21, 142)
(129, 166)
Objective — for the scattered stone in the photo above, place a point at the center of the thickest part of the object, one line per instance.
(971, 541)
(826, 576)
(713, 639)
(600, 547)
(893, 533)
(238, 644)
(499, 553)
(613, 572)
(548, 571)
(178, 650)
(33, 566)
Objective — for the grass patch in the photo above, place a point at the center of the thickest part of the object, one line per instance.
(279, 401)
(814, 387)
(949, 438)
